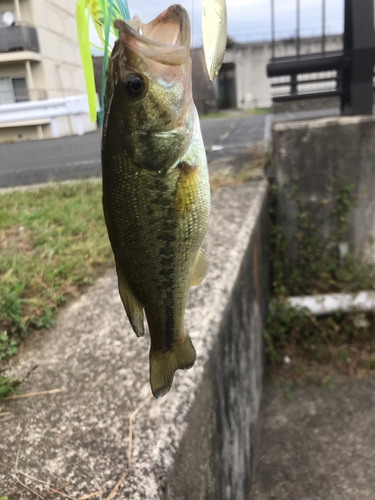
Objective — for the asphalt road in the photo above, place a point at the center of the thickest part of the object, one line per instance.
(69, 158)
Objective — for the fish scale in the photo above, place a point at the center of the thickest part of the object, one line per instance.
(156, 194)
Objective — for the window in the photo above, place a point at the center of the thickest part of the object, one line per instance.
(13, 90)
(20, 89)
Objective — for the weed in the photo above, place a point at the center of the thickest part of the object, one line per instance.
(368, 363)
(288, 394)
(53, 242)
(234, 113)
(327, 381)
(224, 176)
(8, 346)
(317, 267)
(214, 115)
(8, 386)
(258, 111)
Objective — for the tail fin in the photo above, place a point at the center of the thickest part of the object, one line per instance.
(163, 365)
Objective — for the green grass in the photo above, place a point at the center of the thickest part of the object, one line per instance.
(53, 243)
(233, 113)
(214, 114)
(8, 387)
(258, 111)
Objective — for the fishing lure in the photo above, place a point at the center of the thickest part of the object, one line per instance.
(214, 35)
(103, 14)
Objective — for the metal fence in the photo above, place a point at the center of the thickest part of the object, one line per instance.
(347, 73)
(18, 37)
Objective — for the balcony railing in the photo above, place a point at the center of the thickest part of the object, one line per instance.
(22, 96)
(17, 38)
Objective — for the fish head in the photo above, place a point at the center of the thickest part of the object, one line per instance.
(148, 92)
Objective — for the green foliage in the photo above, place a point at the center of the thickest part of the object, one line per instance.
(214, 115)
(8, 387)
(297, 330)
(53, 243)
(368, 363)
(8, 346)
(317, 268)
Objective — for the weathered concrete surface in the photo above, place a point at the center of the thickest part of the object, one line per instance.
(320, 158)
(224, 417)
(306, 105)
(196, 442)
(317, 444)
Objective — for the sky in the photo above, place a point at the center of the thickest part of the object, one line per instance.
(250, 20)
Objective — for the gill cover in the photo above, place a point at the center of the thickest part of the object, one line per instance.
(149, 88)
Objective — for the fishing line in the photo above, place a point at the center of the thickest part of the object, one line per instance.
(192, 23)
(107, 24)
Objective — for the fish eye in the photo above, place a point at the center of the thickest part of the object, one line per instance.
(134, 84)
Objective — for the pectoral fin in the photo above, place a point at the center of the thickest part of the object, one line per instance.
(201, 267)
(133, 307)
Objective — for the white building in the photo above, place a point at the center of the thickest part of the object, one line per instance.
(39, 59)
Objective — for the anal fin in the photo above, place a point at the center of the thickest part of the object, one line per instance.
(133, 307)
(201, 267)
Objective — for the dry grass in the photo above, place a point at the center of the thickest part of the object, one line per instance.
(251, 170)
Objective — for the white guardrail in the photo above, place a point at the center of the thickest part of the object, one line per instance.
(29, 111)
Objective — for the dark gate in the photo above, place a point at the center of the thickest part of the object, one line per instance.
(354, 64)
(227, 86)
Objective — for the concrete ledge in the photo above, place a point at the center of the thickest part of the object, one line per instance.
(321, 158)
(197, 442)
(24, 55)
(322, 123)
(26, 123)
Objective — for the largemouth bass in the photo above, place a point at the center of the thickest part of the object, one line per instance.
(156, 194)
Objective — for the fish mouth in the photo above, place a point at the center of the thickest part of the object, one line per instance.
(166, 39)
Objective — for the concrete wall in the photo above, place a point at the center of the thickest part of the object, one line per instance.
(26, 11)
(62, 67)
(306, 105)
(215, 458)
(15, 69)
(324, 156)
(7, 5)
(252, 84)
(197, 442)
